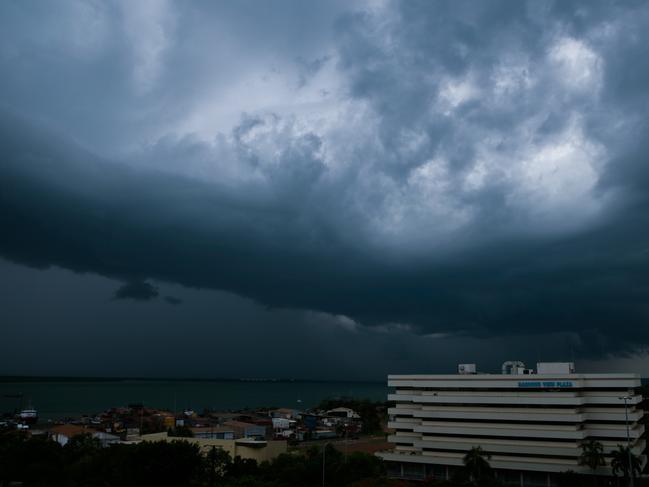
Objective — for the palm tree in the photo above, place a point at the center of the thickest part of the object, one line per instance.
(477, 465)
(620, 462)
(592, 456)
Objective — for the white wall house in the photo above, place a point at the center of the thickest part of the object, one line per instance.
(62, 434)
(281, 424)
(341, 412)
(532, 425)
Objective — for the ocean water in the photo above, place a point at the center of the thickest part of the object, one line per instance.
(56, 399)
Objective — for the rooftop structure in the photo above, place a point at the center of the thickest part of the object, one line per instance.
(246, 430)
(246, 448)
(63, 433)
(532, 424)
(343, 413)
(213, 432)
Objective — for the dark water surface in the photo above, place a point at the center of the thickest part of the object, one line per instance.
(67, 398)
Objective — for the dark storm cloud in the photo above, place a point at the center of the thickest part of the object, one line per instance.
(444, 167)
(137, 291)
(108, 219)
(290, 343)
(173, 300)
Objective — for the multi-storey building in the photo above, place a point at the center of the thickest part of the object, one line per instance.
(531, 424)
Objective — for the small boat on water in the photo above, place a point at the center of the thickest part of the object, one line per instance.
(29, 415)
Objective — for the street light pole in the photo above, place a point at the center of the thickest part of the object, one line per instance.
(324, 451)
(628, 438)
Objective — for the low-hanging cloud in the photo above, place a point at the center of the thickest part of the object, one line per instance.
(457, 170)
(137, 291)
(173, 300)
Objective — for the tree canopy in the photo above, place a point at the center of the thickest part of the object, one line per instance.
(40, 462)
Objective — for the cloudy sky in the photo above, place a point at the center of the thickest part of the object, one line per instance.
(322, 189)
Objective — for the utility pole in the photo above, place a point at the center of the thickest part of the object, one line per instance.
(324, 453)
(628, 438)
(212, 480)
(141, 418)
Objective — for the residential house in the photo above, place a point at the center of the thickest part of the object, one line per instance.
(246, 430)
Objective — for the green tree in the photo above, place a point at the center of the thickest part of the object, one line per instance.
(83, 463)
(10, 441)
(373, 482)
(242, 467)
(289, 469)
(592, 456)
(160, 464)
(569, 478)
(34, 461)
(80, 454)
(620, 462)
(477, 465)
(217, 463)
(82, 445)
(360, 467)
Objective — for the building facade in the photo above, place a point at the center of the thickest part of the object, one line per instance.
(531, 424)
(246, 430)
(213, 433)
(246, 448)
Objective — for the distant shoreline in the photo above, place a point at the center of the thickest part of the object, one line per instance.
(34, 378)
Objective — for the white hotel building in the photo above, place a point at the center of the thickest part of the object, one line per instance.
(532, 424)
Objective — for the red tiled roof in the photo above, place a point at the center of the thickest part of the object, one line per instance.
(70, 430)
(239, 424)
(215, 429)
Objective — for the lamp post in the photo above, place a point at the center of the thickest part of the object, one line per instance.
(628, 438)
(324, 451)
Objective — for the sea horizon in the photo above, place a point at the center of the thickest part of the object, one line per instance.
(66, 378)
(59, 397)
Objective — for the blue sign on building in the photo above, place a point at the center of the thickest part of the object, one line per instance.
(541, 384)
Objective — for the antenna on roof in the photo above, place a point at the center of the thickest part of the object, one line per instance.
(571, 350)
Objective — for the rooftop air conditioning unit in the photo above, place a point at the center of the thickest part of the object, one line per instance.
(555, 368)
(513, 367)
(466, 369)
